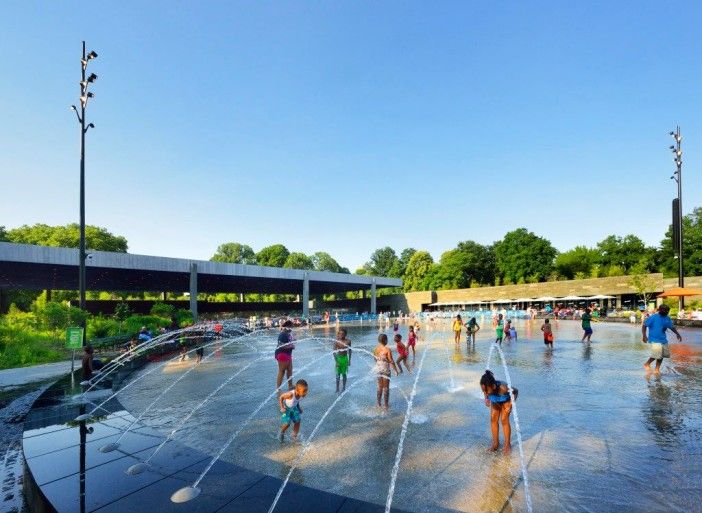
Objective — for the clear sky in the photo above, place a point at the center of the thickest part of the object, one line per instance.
(348, 126)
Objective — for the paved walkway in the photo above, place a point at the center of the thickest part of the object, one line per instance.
(25, 375)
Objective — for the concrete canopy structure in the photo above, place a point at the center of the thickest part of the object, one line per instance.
(24, 266)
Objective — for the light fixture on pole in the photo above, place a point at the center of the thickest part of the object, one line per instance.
(677, 209)
(84, 97)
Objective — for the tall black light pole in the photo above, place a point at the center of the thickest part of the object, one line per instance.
(84, 97)
(677, 176)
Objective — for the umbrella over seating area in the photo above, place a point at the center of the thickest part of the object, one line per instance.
(680, 292)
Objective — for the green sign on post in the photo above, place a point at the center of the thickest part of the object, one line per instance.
(74, 338)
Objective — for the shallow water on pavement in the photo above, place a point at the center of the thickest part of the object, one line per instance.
(599, 434)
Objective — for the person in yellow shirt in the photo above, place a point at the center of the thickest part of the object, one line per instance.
(457, 327)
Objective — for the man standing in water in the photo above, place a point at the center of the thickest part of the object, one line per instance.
(342, 357)
(657, 324)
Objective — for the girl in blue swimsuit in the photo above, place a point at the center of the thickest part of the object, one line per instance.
(498, 399)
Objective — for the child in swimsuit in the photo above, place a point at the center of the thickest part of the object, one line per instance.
(508, 330)
(457, 327)
(548, 333)
(412, 340)
(383, 362)
(512, 332)
(291, 410)
(499, 330)
(342, 357)
(499, 400)
(396, 326)
(402, 353)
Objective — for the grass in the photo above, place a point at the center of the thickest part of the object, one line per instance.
(20, 347)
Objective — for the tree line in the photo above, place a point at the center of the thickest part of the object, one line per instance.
(524, 257)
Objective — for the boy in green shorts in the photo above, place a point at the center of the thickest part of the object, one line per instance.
(499, 329)
(342, 357)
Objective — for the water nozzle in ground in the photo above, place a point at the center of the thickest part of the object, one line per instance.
(137, 468)
(109, 447)
(185, 494)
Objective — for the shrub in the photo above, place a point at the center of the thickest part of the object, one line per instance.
(163, 310)
(100, 327)
(133, 324)
(76, 316)
(122, 311)
(19, 347)
(184, 317)
(16, 318)
(54, 316)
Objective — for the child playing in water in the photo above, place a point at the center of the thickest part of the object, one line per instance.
(471, 329)
(342, 357)
(383, 362)
(657, 325)
(396, 326)
(457, 327)
(411, 341)
(499, 330)
(402, 353)
(498, 399)
(548, 334)
(587, 326)
(291, 410)
(512, 332)
(508, 330)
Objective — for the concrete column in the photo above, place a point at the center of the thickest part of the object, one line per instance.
(306, 295)
(374, 298)
(193, 290)
(163, 296)
(241, 297)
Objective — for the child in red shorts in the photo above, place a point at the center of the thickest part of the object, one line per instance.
(402, 353)
(412, 341)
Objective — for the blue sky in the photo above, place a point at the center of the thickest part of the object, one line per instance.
(348, 126)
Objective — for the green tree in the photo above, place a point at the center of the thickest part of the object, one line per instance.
(68, 236)
(298, 261)
(624, 252)
(521, 254)
(615, 270)
(418, 266)
(382, 262)
(3, 234)
(643, 282)
(273, 256)
(577, 263)
(692, 247)
(324, 262)
(400, 265)
(234, 253)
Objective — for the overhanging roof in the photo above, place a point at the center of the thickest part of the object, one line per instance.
(24, 266)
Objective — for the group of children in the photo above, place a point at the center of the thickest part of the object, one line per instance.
(497, 394)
